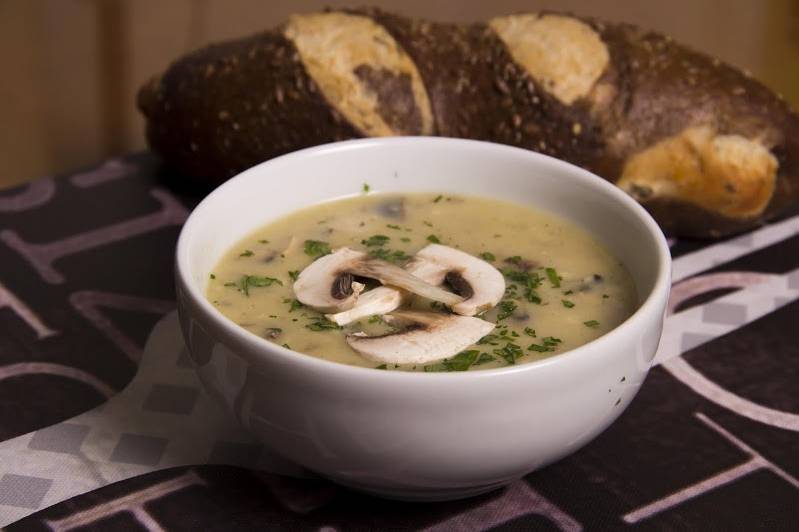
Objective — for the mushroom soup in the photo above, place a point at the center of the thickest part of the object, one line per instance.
(423, 282)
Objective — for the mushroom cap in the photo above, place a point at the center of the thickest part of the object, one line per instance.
(327, 284)
(466, 273)
(430, 337)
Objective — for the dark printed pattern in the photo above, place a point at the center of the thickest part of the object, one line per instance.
(86, 271)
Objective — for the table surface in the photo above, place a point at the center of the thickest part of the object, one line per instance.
(711, 440)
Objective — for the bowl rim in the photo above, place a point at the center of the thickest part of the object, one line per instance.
(260, 348)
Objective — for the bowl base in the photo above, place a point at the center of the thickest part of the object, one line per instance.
(422, 494)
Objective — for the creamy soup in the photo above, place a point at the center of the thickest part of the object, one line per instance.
(546, 285)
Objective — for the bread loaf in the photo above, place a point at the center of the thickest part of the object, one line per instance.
(708, 150)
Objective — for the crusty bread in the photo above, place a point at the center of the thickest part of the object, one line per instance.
(708, 150)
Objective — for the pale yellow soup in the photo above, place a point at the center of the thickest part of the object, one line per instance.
(563, 289)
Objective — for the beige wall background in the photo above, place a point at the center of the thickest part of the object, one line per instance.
(71, 68)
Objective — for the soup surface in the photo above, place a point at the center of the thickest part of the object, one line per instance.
(562, 289)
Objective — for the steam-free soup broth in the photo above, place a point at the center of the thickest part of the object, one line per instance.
(447, 268)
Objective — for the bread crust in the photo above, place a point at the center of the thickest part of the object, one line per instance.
(227, 107)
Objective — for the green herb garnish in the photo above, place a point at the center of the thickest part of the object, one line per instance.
(263, 241)
(256, 281)
(375, 319)
(591, 323)
(438, 198)
(434, 239)
(405, 239)
(392, 226)
(506, 308)
(548, 343)
(212, 276)
(394, 256)
(317, 248)
(366, 188)
(490, 339)
(511, 353)
(292, 303)
(529, 331)
(375, 241)
(322, 325)
(483, 358)
(539, 348)
(487, 255)
(428, 224)
(567, 303)
(294, 274)
(381, 366)
(553, 277)
(246, 253)
(460, 362)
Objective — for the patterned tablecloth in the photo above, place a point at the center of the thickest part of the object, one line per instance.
(103, 424)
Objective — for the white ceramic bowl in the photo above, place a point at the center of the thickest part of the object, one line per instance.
(420, 436)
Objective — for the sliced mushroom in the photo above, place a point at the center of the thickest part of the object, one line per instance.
(479, 283)
(385, 299)
(393, 275)
(327, 284)
(428, 336)
(380, 300)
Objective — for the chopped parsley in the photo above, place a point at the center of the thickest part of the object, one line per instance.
(591, 323)
(375, 319)
(381, 366)
(434, 239)
(317, 248)
(263, 241)
(212, 276)
(516, 259)
(287, 346)
(511, 353)
(490, 339)
(294, 274)
(506, 308)
(292, 303)
(605, 296)
(394, 256)
(246, 253)
(438, 198)
(255, 281)
(366, 188)
(483, 358)
(428, 224)
(322, 325)
(375, 241)
(567, 303)
(487, 255)
(392, 226)
(529, 332)
(539, 348)
(460, 362)
(553, 276)
(405, 239)
(548, 343)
